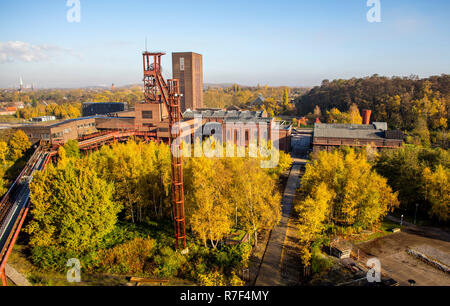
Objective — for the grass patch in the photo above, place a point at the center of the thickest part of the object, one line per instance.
(385, 228)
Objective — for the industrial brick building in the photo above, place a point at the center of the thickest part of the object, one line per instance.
(329, 136)
(188, 68)
(60, 132)
(242, 126)
(152, 118)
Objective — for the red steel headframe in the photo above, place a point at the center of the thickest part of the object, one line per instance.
(156, 90)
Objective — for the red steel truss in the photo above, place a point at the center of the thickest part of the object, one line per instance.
(156, 90)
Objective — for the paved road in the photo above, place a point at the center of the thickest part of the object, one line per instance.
(271, 267)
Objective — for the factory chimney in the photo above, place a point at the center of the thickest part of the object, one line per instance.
(366, 116)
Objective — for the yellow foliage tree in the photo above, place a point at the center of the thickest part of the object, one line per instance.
(436, 187)
(312, 214)
(3, 152)
(18, 144)
(210, 207)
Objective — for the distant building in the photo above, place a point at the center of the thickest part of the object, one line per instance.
(188, 68)
(8, 110)
(233, 107)
(258, 101)
(43, 119)
(60, 132)
(103, 108)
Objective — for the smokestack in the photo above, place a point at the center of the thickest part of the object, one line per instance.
(366, 116)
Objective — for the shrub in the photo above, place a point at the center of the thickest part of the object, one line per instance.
(320, 262)
(129, 257)
(235, 280)
(211, 279)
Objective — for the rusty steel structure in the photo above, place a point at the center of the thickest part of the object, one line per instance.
(157, 91)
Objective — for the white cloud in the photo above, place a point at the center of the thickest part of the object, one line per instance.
(22, 51)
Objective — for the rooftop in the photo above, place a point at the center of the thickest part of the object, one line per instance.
(376, 130)
(228, 115)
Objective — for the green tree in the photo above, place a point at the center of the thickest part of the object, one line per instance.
(285, 98)
(71, 208)
(18, 144)
(72, 149)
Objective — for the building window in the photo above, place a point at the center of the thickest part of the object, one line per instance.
(163, 129)
(147, 114)
(246, 135)
(181, 63)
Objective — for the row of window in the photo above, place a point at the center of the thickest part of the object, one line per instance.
(91, 124)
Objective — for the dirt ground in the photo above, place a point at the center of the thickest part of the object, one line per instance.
(397, 263)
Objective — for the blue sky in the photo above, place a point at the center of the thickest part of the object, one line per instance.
(284, 42)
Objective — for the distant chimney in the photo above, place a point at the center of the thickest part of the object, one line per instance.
(366, 116)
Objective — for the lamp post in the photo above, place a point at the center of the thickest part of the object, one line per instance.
(401, 220)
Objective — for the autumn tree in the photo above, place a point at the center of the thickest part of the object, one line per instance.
(71, 208)
(3, 152)
(436, 188)
(285, 98)
(207, 201)
(254, 195)
(361, 196)
(404, 170)
(351, 117)
(18, 144)
(141, 175)
(72, 148)
(313, 212)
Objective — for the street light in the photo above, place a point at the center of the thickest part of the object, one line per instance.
(401, 220)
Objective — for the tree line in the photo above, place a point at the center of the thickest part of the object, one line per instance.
(418, 106)
(276, 99)
(340, 193)
(81, 205)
